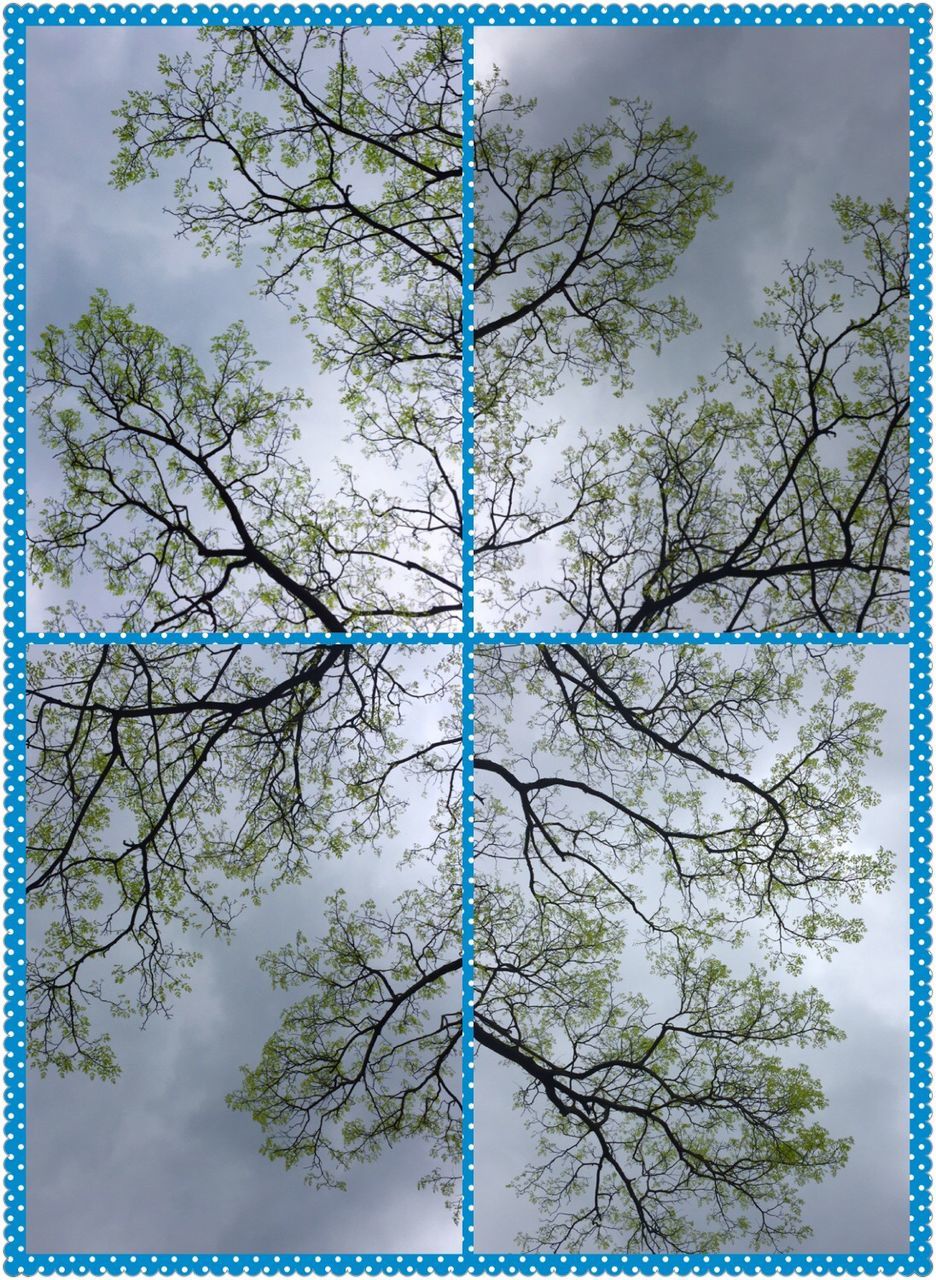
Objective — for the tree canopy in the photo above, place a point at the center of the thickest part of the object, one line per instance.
(655, 856)
(773, 493)
(651, 863)
(185, 487)
(170, 786)
(369, 1053)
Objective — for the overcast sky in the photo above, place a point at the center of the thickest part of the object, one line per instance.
(158, 1162)
(866, 1207)
(792, 118)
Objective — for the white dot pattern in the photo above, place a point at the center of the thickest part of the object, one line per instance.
(20, 17)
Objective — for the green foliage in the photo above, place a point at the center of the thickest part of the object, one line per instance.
(351, 179)
(171, 786)
(187, 489)
(774, 496)
(682, 1132)
(659, 828)
(574, 239)
(369, 1054)
(678, 812)
(182, 487)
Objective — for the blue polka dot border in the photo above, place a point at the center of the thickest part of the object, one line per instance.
(916, 18)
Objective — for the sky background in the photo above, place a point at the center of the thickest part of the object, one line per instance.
(792, 118)
(865, 1208)
(173, 1167)
(156, 1161)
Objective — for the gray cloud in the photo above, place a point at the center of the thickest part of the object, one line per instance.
(156, 1161)
(792, 118)
(866, 1078)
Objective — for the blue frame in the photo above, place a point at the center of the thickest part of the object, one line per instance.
(917, 20)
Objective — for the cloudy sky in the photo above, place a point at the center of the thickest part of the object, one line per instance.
(174, 1168)
(157, 1162)
(865, 1208)
(792, 118)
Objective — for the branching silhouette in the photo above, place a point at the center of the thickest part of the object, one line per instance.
(186, 489)
(369, 1054)
(653, 863)
(171, 785)
(775, 495)
(652, 829)
(656, 826)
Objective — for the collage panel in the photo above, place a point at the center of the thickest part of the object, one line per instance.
(244, 949)
(691, 949)
(692, 286)
(245, 327)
